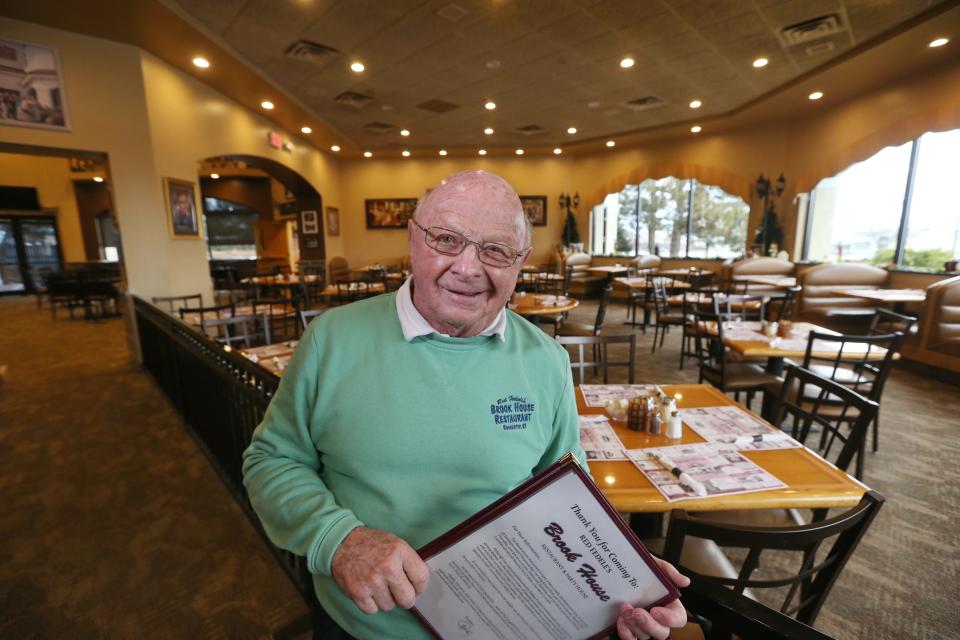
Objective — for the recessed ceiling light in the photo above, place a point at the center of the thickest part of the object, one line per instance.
(519, 152)
(203, 63)
(696, 129)
(490, 105)
(493, 64)
(611, 143)
(939, 42)
(760, 62)
(695, 104)
(405, 153)
(816, 95)
(215, 176)
(335, 148)
(367, 154)
(626, 63)
(572, 130)
(97, 179)
(404, 132)
(482, 152)
(306, 130)
(357, 67)
(488, 131)
(266, 104)
(593, 104)
(442, 152)
(557, 151)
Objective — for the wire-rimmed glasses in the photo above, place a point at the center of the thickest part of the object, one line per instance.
(452, 243)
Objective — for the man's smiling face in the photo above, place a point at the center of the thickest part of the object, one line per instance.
(459, 295)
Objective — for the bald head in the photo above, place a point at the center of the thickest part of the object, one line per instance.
(481, 194)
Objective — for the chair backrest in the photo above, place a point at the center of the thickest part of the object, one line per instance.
(810, 402)
(171, 303)
(862, 363)
(339, 269)
(783, 307)
(816, 575)
(601, 353)
(744, 307)
(659, 284)
(309, 314)
(246, 331)
(885, 322)
(216, 311)
(281, 315)
(602, 309)
(709, 347)
(350, 290)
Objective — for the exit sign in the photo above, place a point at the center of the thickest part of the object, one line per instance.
(273, 139)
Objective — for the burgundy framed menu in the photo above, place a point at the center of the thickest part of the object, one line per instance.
(551, 559)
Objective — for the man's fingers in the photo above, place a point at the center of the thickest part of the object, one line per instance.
(417, 572)
(367, 605)
(403, 593)
(383, 598)
(671, 615)
(678, 578)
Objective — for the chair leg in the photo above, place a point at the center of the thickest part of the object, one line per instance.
(656, 333)
(876, 431)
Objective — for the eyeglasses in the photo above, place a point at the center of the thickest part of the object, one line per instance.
(452, 243)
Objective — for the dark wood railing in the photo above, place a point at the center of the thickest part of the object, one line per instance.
(222, 397)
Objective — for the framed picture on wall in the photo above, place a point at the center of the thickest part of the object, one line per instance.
(536, 209)
(33, 93)
(309, 224)
(333, 221)
(390, 213)
(181, 209)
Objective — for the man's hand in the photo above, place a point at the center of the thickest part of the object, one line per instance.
(635, 623)
(378, 570)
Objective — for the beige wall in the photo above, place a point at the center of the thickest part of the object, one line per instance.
(52, 178)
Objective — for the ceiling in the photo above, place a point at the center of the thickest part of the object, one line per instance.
(548, 64)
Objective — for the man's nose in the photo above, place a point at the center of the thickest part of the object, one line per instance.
(468, 262)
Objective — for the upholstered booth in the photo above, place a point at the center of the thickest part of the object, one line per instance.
(645, 263)
(582, 282)
(759, 266)
(339, 270)
(942, 324)
(640, 265)
(818, 304)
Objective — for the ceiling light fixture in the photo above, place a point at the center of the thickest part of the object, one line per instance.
(405, 153)
(816, 95)
(490, 105)
(203, 63)
(626, 63)
(306, 130)
(482, 152)
(759, 63)
(404, 132)
(357, 67)
(215, 176)
(695, 104)
(572, 130)
(611, 143)
(367, 154)
(335, 148)
(488, 131)
(939, 42)
(97, 179)
(443, 152)
(266, 104)
(557, 151)
(519, 152)
(696, 129)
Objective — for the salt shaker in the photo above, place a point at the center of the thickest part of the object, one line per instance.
(674, 426)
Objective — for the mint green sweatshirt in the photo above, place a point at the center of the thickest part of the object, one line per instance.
(367, 429)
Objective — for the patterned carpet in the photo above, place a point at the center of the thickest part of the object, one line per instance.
(115, 526)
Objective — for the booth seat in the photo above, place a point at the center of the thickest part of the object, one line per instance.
(758, 266)
(818, 304)
(582, 282)
(942, 317)
(638, 266)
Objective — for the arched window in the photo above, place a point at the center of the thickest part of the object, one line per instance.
(672, 218)
(896, 207)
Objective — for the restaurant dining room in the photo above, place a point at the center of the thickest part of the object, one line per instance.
(505, 319)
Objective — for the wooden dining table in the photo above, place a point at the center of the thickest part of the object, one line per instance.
(272, 357)
(777, 282)
(896, 297)
(193, 317)
(530, 305)
(811, 481)
(685, 272)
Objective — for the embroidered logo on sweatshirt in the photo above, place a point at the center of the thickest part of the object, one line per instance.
(512, 412)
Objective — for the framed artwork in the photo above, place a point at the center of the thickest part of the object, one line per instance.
(536, 209)
(333, 221)
(309, 224)
(391, 213)
(181, 209)
(32, 93)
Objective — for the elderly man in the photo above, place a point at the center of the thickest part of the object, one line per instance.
(380, 437)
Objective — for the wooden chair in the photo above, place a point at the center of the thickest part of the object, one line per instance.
(640, 298)
(886, 322)
(718, 368)
(309, 314)
(783, 307)
(281, 316)
(171, 303)
(739, 307)
(850, 367)
(238, 331)
(667, 316)
(352, 290)
(587, 329)
(808, 587)
(557, 287)
(601, 360)
(691, 300)
(216, 311)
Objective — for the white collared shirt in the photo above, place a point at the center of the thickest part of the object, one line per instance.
(414, 324)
